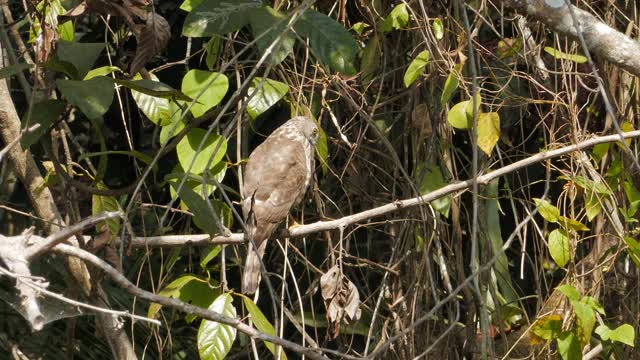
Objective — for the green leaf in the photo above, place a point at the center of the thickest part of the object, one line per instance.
(370, 59)
(81, 55)
(214, 147)
(569, 346)
(267, 25)
(156, 109)
(451, 84)
(218, 17)
(209, 254)
(261, 323)
(397, 19)
(416, 68)
(213, 51)
(9, 71)
(569, 291)
(153, 88)
(212, 85)
(548, 327)
(624, 334)
(93, 97)
(592, 206)
(101, 71)
(570, 224)
(560, 247)
(438, 28)
(548, 211)
(488, 131)
(585, 320)
(264, 94)
(189, 288)
(66, 31)
(564, 56)
(215, 339)
(457, 115)
(44, 113)
(329, 40)
(99, 204)
(359, 27)
(64, 67)
(188, 5)
(594, 304)
(431, 179)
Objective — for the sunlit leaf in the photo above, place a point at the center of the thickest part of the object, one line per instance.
(102, 203)
(209, 254)
(451, 84)
(416, 68)
(101, 71)
(560, 247)
(359, 27)
(488, 131)
(569, 346)
(547, 327)
(570, 224)
(156, 109)
(264, 94)
(214, 147)
(153, 88)
(438, 28)
(431, 179)
(624, 333)
(215, 339)
(206, 88)
(585, 320)
(397, 19)
(564, 56)
(457, 115)
(548, 211)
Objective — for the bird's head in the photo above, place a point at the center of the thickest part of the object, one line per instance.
(307, 127)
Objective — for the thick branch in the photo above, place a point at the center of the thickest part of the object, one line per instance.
(203, 240)
(601, 39)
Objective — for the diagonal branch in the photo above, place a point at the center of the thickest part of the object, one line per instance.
(205, 240)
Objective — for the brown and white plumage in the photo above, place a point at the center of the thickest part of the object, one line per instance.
(276, 178)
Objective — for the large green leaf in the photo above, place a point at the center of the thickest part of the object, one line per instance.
(264, 94)
(564, 56)
(585, 320)
(212, 85)
(202, 185)
(451, 84)
(329, 40)
(214, 147)
(416, 68)
(177, 123)
(189, 288)
(93, 97)
(215, 339)
(267, 25)
(560, 247)
(217, 17)
(261, 323)
(81, 55)
(457, 115)
(44, 113)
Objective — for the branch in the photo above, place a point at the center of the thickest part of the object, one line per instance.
(600, 38)
(203, 240)
(124, 283)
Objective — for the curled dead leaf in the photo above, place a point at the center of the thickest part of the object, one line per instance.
(341, 299)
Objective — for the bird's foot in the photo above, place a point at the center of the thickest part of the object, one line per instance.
(293, 224)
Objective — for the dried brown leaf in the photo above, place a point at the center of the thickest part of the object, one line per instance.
(152, 38)
(341, 299)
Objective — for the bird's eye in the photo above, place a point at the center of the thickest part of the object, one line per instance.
(315, 131)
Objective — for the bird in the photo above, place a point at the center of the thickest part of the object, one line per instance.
(277, 175)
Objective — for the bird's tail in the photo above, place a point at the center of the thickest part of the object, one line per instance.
(251, 276)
